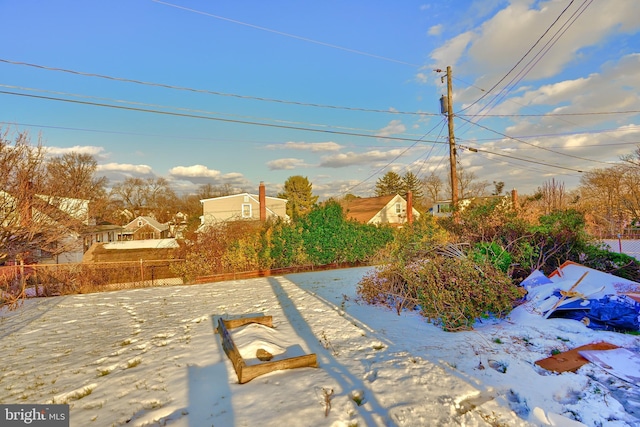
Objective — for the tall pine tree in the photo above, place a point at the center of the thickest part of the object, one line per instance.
(389, 184)
(298, 192)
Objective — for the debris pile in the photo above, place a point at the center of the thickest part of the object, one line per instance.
(600, 300)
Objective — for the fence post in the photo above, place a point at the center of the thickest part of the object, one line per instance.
(619, 244)
(141, 271)
(23, 281)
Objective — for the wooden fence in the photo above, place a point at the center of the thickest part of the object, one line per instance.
(61, 279)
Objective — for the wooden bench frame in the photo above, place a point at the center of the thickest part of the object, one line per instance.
(247, 373)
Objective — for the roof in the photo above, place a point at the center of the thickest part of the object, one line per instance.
(362, 209)
(151, 221)
(256, 197)
(143, 244)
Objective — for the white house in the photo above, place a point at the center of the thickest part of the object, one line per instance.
(243, 206)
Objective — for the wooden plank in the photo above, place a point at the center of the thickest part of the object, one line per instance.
(230, 348)
(236, 323)
(570, 361)
(571, 289)
(247, 373)
(252, 371)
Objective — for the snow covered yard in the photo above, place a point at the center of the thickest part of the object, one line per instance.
(151, 357)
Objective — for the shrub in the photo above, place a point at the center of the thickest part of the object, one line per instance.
(450, 291)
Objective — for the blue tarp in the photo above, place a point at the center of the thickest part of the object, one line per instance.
(613, 313)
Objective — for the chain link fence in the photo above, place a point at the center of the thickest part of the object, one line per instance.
(630, 247)
(64, 279)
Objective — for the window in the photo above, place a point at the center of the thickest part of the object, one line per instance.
(246, 210)
(398, 209)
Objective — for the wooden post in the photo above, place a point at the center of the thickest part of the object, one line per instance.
(452, 144)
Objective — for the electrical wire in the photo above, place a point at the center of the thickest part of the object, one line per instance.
(293, 36)
(191, 110)
(193, 116)
(481, 150)
(211, 92)
(533, 145)
(377, 172)
(520, 60)
(545, 49)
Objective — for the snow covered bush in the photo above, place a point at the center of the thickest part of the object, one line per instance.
(453, 292)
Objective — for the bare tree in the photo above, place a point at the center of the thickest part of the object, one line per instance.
(78, 173)
(35, 219)
(554, 196)
(468, 184)
(208, 191)
(151, 196)
(433, 185)
(610, 197)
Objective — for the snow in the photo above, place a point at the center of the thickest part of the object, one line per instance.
(147, 357)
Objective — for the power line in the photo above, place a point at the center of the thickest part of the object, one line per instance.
(545, 49)
(532, 145)
(293, 36)
(211, 92)
(194, 116)
(298, 103)
(394, 159)
(191, 110)
(586, 113)
(521, 59)
(517, 158)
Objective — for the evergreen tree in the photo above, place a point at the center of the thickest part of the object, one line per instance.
(413, 184)
(390, 184)
(298, 192)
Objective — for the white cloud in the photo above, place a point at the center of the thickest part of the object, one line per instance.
(394, 127)
(343, 160)
(81, 149)
(200, 174)
(435, 30)
(606, 91)
(453, 49)
(126, 168)
(487, 50)
(195, 171)
(286, 164)
(307, 146)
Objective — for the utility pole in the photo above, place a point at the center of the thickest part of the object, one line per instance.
(452, 144)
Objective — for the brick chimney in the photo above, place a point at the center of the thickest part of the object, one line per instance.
(262, 198)
(410, 207)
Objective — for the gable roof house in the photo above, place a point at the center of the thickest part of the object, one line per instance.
(100, 233)
(391, 209)
(51, 227)
(443, 208)
(243, 206)
(144, 228)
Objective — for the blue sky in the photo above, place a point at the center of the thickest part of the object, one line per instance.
(260, 91)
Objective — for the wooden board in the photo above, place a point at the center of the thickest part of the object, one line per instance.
(247, 373)
(236, 323)
(571, 361)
